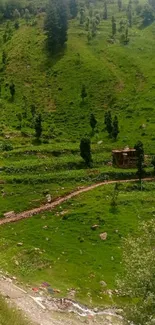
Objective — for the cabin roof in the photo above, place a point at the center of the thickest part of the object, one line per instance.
(125, 150)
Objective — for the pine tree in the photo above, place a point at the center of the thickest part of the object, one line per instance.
(12, 90)
(89, 37)
(122, 25)
(87, 24)
(85, 151)
(113, 26)
(105, 118)
(56, 25)
(33, 110)
(115, 129)
(129, 13)
(140, 160)
(4, 57)
(27, 15)
(16, 24)
(147, 15)
(38, 126)
(73, 7)
(83, 92)
(119, 5)
(97, 18)
(82, 15)
(94, 27)
(105, 13)
(93, 121)
(126, 35)
(16, 14)
(108, 122)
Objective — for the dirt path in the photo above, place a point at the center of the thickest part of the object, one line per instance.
(40, 310)
(59, 200)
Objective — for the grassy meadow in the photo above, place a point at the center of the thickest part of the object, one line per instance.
(61, 248)
(121, 78)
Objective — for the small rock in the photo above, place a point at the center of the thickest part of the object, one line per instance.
(56, 290)
(45, 227)
(103, 236)
(62, 213)
(103, 283)
(96, 310)
(94, 227)
(48, 198)
(19, 244)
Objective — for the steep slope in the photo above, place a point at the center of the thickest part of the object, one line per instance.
(116, 76)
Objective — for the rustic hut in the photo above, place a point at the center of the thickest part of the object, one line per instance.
(124, 158)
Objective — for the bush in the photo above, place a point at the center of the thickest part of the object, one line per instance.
(6, 146)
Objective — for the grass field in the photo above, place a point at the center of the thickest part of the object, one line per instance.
(61, 248)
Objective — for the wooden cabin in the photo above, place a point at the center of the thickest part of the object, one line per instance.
(124, 158)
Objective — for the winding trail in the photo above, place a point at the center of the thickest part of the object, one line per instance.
(59, 200)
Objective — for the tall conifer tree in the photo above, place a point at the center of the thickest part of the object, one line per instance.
(73, 7)
(56, 24)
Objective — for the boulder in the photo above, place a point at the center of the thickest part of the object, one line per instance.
(103, 236)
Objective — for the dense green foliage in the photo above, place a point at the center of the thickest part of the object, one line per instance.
(85, 150)
(140, 159)
(73, 7)
(38, 126)
(138, 280)
(56, 24)
(115, 129)
(93, 121)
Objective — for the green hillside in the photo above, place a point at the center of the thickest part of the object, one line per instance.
(116, 76)
(119, 76)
